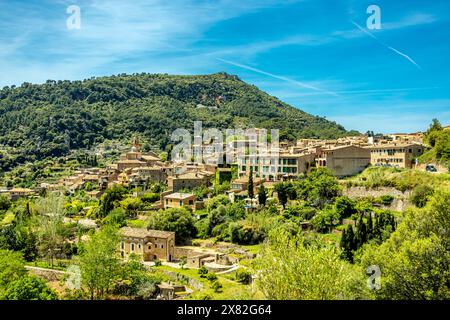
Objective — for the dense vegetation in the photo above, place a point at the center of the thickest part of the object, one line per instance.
(39, 121)
(438, 141)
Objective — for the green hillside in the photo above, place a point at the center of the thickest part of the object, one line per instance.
(39, 121)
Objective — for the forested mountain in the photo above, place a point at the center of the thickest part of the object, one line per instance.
(38, 121)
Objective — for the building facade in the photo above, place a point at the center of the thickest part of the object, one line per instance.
(344, 160)
(148, 244)
(177, 200)
(399, 155)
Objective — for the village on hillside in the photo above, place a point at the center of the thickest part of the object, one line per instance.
(207, 192)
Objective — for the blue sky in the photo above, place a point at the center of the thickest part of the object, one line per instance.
(316, 55)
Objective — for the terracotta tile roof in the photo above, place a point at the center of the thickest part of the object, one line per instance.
(179, 195)
(143, 233)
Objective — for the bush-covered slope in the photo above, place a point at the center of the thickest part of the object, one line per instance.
(37, 121)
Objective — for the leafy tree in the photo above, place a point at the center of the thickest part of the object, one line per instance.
(414, 260)
(319, 188)
(235, 211)
(420, 195)
(217, 201)
(131, 205)
(116, 217)
(5, 203)
(442, 147)
(135, 280)
(178, 220)
(201, 191)
(299, 212)
(289, 269)
(433, 132)
(11, 268)
(99, 262)
(282, 193)
(29, 288)
(325, 220)
(51, 232)
(109, 200)
(344, 206)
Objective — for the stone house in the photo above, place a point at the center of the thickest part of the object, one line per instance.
(395, 154)
(148, 244)
(344, 160)
(177, 200)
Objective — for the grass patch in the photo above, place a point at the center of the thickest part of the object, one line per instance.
(231, 290)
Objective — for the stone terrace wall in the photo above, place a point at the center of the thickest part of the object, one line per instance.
(359, 192)
(47, 274)
(400, 202)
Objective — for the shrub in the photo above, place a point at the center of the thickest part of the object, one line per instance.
(325, 220)
(243, 276)
(150, 197)
(216, 286)
(178, 220)
(203, 272)
(211, 277)
(157, 262)
(345, 206)
(386, 199)
(420, 195)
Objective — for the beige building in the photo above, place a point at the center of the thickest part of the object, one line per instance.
(395, 154)
(344, 160)
(188, 180)
(241, 184)
(16, 193)
(152, 174)
(148, 244)
(177, 200)
(275, 168)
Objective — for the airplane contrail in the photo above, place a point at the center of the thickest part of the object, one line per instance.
(387, 46)
(301, 84)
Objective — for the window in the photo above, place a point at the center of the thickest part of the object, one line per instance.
(132, 247)
(139, 246)
(191, 202)
(122, 245)
(162, 246)
(149, 247)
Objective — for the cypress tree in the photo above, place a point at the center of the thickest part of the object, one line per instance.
(262, 197)
(251, 193)
(370, 230)
(351, 238)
